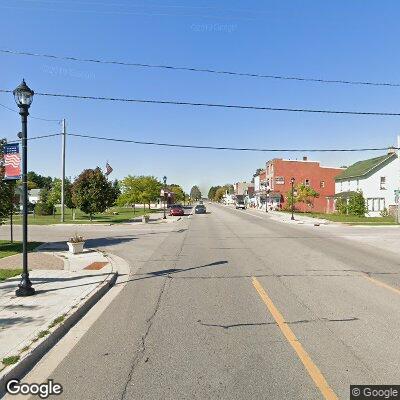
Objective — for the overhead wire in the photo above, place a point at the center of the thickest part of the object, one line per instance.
(227, 148)
(216, 105)
(202, 70)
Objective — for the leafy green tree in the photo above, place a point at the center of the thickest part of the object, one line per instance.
(179, 194)
(195, 193)
(229, 188)
(92, 192)
(39, 181)
(306, 195)
(54, 196)
(45, 205)
(150, 189)
(219, 194)
(139, 189)
(341, 206)
(212, 191)
(356, 205)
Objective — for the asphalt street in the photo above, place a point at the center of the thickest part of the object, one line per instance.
(233, 305)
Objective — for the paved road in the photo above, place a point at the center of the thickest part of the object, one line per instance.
(232, 305)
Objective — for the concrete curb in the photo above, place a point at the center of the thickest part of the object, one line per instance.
(31, 358)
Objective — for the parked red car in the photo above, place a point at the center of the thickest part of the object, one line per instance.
(176, 210)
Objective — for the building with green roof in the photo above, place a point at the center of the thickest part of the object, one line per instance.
(377, 178)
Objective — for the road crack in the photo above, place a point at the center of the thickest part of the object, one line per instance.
(149, 322)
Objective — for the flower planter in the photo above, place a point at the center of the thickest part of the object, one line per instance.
(75, 248)
(145, 219)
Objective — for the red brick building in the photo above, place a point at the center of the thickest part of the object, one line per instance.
(310, 173)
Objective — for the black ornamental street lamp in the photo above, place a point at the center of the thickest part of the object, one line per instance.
(23, 96)
(165, 188)
(292, 183)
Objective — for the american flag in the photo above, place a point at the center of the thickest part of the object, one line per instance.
(12, 160)
(108, 169)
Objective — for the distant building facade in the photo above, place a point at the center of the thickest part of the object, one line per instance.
(310, 173)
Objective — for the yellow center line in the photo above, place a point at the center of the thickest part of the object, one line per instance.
(382, 284)
(312, 369)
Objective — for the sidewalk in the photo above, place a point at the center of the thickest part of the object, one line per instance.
(31, 325)
(286, 217)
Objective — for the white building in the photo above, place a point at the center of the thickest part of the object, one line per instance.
(377, 178)
(34, 195)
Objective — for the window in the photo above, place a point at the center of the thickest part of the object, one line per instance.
(376, 204)
(307, 182)
(280, 180)
(322, 184)
(383, 183)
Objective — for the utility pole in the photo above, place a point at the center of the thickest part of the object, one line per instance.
(64, 134)
(398, 179)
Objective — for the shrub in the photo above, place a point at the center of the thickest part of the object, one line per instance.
(42, 208)
(384, 212)
(341, 206)
(357, 204)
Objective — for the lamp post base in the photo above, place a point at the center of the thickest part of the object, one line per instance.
(25, 288)
(23, 291)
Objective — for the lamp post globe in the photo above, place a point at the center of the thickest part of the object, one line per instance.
(23, 96)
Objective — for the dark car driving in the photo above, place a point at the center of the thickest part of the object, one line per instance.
(200, 209)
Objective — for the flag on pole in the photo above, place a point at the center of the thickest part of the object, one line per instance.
(12, 161)
(108, 169)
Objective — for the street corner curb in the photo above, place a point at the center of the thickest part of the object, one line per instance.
(31, 358)
(119, 265)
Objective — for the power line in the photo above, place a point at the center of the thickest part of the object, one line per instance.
(32, 138)
(215, 105)
(227, 148)
(203, 70)
(32, 116)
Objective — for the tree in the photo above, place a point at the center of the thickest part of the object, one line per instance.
(54, 195)
(356, 204)
(150, 188)
(219, 194)
(38, 181)
(341, 206)
(212, 191)
(179, 194)
(229, 188)
(195, 193)
(306, 195)
(92, 192)
(139, 189)
(45, 205)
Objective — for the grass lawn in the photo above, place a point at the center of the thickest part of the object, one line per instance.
(9, 249)
(352, 219)
(124, 214)
(9, 273)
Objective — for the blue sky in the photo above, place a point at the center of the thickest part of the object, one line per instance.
(355, 40)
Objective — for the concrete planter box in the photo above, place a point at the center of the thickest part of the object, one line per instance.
(75, 248)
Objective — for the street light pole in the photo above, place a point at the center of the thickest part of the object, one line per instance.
(64, 132)
(23, 97)
(165, 187)
(292, 183)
